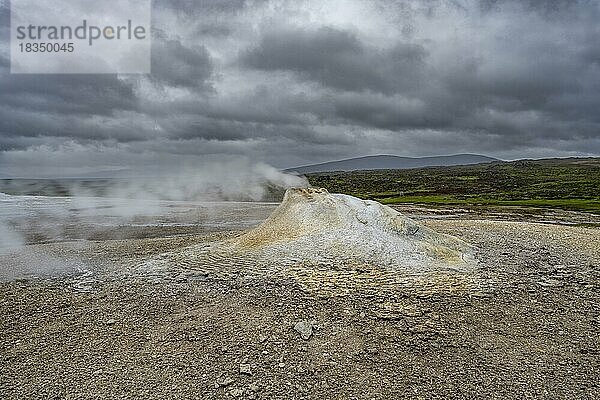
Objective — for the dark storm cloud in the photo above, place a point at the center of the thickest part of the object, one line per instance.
(523, 90)
(211, 129)
(4, 32)
(338, 59)
(291, 82)
(66, 94)
(531, 91)
(123, 128)
(195, 8)
(179, 66)
(206, 18)
(4, 15)
(546, 7)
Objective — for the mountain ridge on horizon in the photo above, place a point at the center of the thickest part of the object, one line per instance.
(388, 161)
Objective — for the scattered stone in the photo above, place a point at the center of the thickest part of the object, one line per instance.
(450, 324)
(224, 382)
(304, 328)
(245, 369)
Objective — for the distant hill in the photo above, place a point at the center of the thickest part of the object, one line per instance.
(566, 183)
(392, 162)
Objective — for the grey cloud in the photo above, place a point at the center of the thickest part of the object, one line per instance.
(282, 83)
(4, 15)
(338, 59)
(125, 127)
(208, 128)
(548, 8)
(193, 8)
(75, 106)
(179, 66)
(66, 94)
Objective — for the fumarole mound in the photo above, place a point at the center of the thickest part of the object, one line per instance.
(313, 225)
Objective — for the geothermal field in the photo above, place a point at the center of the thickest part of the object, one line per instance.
(320, 295)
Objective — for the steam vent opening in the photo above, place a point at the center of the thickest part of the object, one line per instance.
(338, 243)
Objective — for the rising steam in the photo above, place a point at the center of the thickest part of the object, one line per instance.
(139, 193)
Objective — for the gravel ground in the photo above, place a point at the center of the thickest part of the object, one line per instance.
(113, 331)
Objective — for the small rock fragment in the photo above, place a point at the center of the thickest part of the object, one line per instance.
(245, 369)
(225, 382)
(304, 328)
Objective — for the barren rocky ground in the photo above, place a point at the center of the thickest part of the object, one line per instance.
(526, 328)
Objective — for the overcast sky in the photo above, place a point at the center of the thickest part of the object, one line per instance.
(295, 82)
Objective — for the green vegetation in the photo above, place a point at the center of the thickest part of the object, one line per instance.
(571, 184)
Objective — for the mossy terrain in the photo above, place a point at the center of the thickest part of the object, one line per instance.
(570, 184)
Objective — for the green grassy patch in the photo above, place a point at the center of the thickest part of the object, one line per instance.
(570, 184)
(566, 204)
